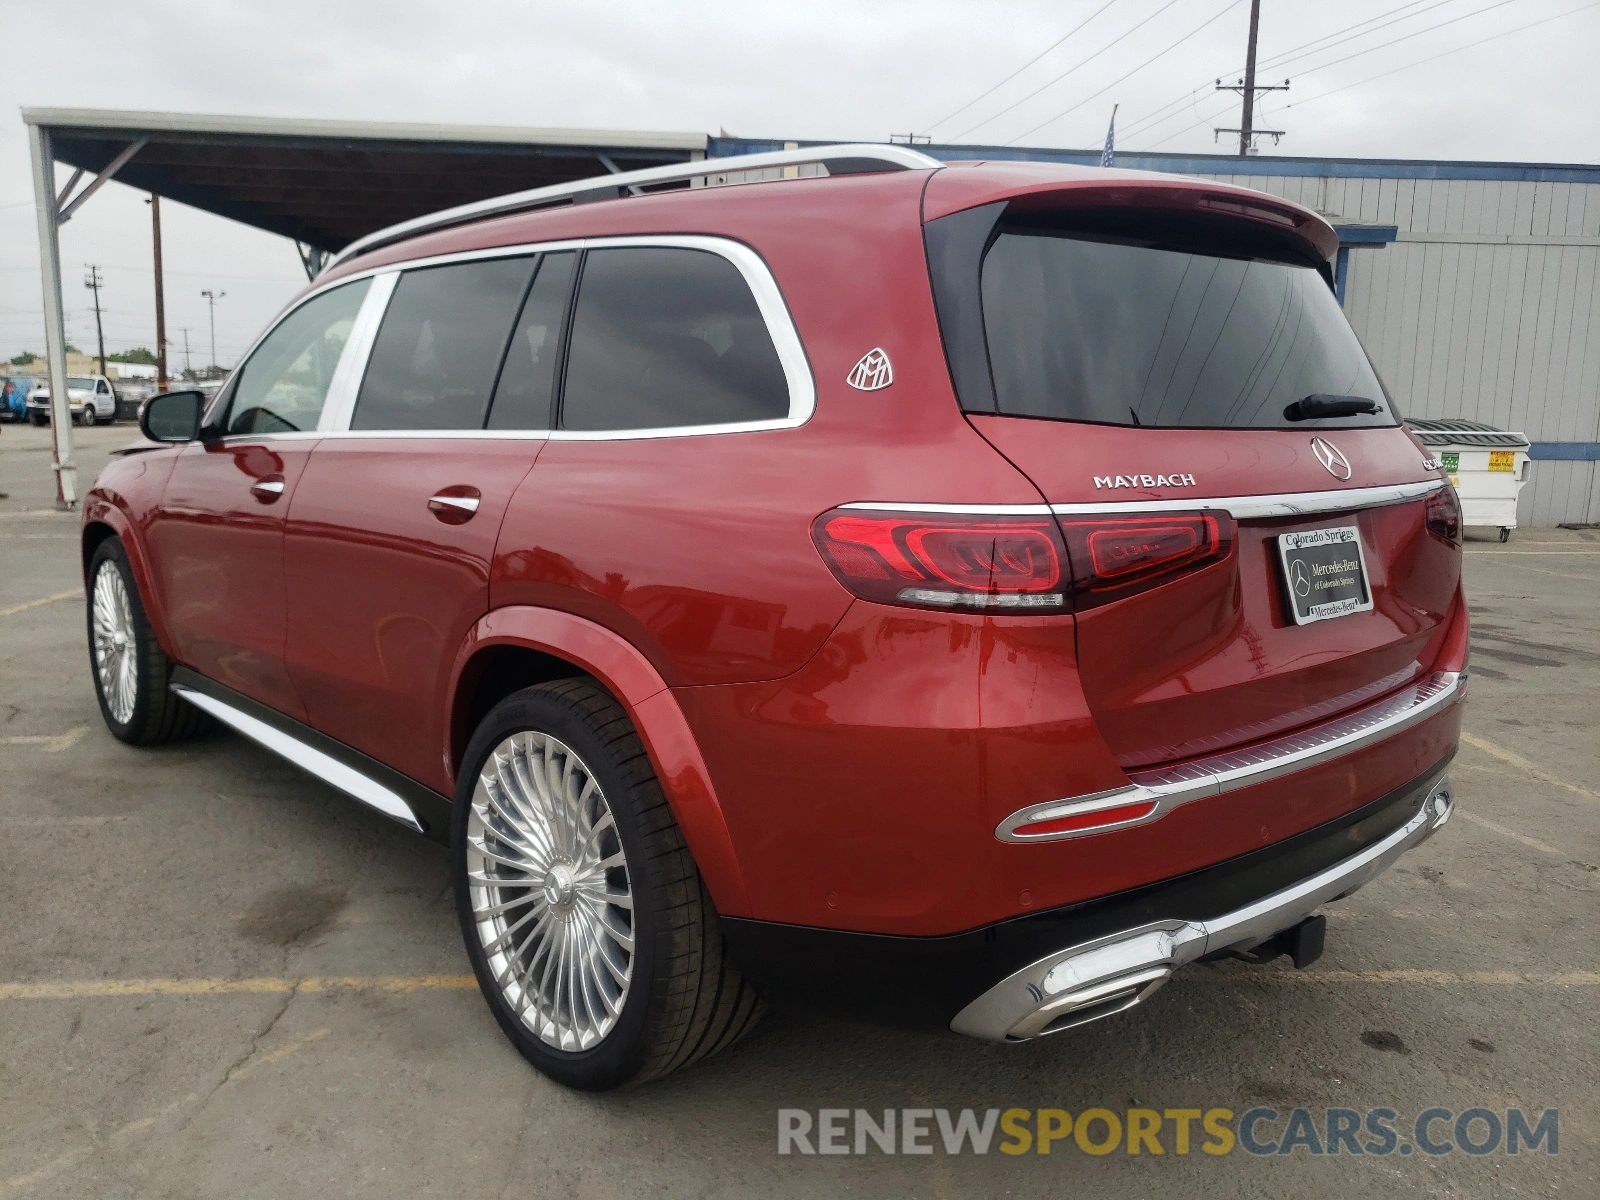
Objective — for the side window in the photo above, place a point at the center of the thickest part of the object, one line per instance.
(282, 387)
(437, 352)
(665, 337)
(527, 381)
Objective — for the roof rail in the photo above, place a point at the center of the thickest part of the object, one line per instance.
(840, 160)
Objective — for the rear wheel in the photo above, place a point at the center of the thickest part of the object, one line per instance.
(130, 668)
(590, 931)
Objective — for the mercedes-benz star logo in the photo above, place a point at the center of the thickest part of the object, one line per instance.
(1300, 578)
(1328, 455)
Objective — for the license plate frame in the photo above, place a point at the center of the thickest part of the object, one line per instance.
(1307, 558)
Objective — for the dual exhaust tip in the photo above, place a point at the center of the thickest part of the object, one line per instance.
(1113, 975)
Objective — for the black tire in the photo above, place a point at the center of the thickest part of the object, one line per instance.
(1505, 534)
(686, 1000)
(157, 715)
(39, 419)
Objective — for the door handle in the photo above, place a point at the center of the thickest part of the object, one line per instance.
(455, 505)
(268, 488)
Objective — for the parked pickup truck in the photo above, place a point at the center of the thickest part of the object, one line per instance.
(91, 398)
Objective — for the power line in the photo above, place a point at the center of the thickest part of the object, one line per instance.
(1305, 49)
(1051, 83)
(1369, 50)
(1020, 69)
(1232, 4)
(1443, 53)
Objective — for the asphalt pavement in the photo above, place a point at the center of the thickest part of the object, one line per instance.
(220, 978)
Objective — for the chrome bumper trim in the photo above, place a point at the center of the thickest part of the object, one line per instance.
(1096, 979)
(325, 767)
(1170, 787)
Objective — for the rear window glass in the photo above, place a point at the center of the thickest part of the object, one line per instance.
(666, 337)
(1126, 334)
(438, 349)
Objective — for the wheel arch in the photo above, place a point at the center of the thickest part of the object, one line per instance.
(102, 521)
(521, 645)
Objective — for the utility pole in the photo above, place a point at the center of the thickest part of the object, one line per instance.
(187, 369)
(1247, 90)
(161, 304)
(211, 300)
(93, 284)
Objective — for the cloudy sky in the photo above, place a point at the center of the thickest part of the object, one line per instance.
(1460, 79)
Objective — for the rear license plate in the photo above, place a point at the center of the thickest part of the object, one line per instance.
(1324, 573)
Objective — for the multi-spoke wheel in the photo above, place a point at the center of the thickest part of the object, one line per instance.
(591, 933)
(129, 667)
(548, 880)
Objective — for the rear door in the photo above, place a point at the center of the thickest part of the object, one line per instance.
(216, 540)
(1249, 525)
(393, 525)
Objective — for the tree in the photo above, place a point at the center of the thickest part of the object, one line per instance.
(137, 355)
(23, 359)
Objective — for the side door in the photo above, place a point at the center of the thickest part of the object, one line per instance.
(216, 540)
(393, 525)
(105, 401)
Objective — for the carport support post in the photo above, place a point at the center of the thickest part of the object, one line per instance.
(55, 334)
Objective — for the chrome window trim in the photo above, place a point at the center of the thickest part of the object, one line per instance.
(1170, 787)
(751, 267)
(338, 408)
(968, 510)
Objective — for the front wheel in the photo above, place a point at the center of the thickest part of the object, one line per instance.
(89, 415)
(130, 668)
(591, 933)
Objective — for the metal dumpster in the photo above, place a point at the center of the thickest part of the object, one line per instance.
(1488, 467)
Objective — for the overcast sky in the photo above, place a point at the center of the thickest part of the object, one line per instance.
(844, 69)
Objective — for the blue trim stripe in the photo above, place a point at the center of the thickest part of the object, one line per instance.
(1366, 235)
(1565, 451)
(1232, 164)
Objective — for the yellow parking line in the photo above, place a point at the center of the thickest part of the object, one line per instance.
(281, 1052)
(90, 988)
(1523, 764)
(1493, 978)
(53, 743)
(16, 608)
(1531, 842)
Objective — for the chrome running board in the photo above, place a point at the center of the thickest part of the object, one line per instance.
(1157, 792)
(308, 758)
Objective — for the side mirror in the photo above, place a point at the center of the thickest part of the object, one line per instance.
(172, 416)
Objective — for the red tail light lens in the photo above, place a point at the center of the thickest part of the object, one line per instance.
(1444, 514)
(980, 562)
(1113, 557)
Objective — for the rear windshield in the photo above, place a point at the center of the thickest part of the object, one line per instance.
(1123, 334)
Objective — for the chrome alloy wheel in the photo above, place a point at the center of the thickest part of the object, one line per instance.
(116, 650)
(550, 891)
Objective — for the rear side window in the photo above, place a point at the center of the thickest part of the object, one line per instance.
(434, 362)
(1127, 334)
(527, 381)
(664, 338)
(283, 385)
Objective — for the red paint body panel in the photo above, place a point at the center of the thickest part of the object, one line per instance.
(628, 675)
(832, 762)
(124, 499)
(216, 553)
(382, 590)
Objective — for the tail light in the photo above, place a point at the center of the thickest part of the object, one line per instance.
(1443, 514)
(1010, 563)
(1114, 557)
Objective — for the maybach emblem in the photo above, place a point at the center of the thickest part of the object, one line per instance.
(872, 372)
(1143, 481)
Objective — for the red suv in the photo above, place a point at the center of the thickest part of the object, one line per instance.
(956, 595)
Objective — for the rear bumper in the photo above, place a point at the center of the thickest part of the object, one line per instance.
(1051, 970)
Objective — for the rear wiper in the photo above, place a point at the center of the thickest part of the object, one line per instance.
(1319, 405)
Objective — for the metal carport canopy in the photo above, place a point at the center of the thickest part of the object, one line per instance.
(322, 183)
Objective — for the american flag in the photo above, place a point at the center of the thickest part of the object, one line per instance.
(1108, 156)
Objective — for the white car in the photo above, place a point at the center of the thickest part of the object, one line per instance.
(91, 398)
